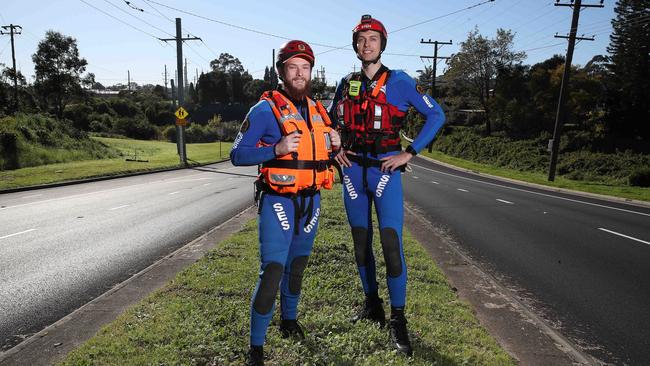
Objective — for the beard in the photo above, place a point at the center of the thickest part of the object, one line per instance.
(298, 93)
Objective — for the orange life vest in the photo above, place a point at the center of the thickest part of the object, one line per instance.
(308, 168)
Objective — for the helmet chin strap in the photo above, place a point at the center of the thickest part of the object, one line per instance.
(365, 63)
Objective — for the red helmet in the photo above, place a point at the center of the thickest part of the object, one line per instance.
(294, 49)
(368, 23)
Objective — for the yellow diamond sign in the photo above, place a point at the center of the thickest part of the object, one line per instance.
(181, 113)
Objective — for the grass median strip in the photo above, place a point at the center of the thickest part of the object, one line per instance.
(158, 155)
(202, 316)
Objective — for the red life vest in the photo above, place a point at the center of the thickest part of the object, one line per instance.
(370, 123)
(308, 168)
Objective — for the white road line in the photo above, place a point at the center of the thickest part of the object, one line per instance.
(118, 207)
(174, 193)
(462, 190)
(619, 234)
(434, 182)
(504, 201)
(207, 184)
(415, 177)
(537, 193)
(22, 232)
(32, 196)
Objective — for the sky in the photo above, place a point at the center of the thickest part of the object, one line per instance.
(116, 38)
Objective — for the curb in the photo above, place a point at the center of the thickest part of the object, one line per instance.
(104, 177)
(541, 186)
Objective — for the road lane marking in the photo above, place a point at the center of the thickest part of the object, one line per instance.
(504, 201)
(537, 193)
(174, 193)
(434, 182)
(22, 232)
(32, 196)
(118, 207)
(623, 235)
(415, 177)
(462, 190)
(207, 184)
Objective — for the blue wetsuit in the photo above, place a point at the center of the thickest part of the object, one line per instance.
(384, 188)
(284, 242)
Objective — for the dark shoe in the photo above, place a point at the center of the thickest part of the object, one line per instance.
(291, 328)
(372, 310)
(255, 356)
(399, 334)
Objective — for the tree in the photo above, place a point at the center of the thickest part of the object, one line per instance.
(629, 49)
(58, 68)
(478, 62)
(227, 63)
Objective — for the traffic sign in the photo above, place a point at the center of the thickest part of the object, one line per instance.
(181, 122)
(181, 113)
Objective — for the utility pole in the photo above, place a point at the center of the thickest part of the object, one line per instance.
(174, 99)
(128, 80)
(433, 69)
(187, 81)
(165, 81)
(12, 30)
(179, 65)
(561, 113)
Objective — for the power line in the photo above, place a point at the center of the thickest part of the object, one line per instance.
(140, 19)
(120, 20)
(441, 16)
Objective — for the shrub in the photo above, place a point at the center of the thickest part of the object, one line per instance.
(640, 178)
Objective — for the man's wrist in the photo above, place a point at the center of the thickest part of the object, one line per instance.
(411, 150)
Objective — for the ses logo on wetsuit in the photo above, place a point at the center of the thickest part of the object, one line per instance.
(282, 216)
(383, 181)
(349, 187)
(313, 222)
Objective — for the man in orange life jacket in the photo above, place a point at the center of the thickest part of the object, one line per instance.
(289, 135)
(370, 107)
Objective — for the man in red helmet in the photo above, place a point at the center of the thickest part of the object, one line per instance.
(288, 135)
(370, 107)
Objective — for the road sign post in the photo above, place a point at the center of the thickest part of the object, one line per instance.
(181, 122)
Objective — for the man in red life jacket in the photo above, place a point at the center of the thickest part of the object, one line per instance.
(369, 108)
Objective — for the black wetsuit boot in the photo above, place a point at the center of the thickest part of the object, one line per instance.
(372, 310)
(399, 334)
(291, 328)
(255, 356)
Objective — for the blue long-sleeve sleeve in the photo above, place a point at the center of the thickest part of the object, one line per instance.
(401, 92)
(259, 125)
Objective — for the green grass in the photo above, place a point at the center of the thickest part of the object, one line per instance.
(202, 316)
(623, 191)
(158, 153)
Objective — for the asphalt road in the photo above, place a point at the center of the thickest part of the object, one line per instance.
(61, 247)
(583, 264)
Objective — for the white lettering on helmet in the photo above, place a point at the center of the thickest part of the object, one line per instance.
(282, 216)
(313, 221)
(427, 101)
(349, 187)
(383, 181)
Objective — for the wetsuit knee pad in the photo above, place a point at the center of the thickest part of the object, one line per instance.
(268, 289)
(360, 238)
(392, 253)
(298, 266)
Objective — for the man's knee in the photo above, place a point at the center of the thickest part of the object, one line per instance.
(297, 267)
(361, 248)
(392, 252)
(268, 288)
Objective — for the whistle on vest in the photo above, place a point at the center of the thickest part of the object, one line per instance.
(355, 88)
